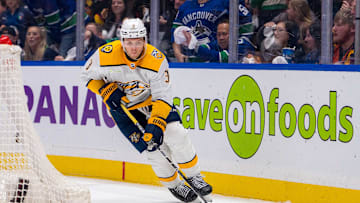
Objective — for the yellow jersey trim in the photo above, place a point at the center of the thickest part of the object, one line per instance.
(169, 179)
(160, 109)
(110, 54)
(189, 164)
(113, 54)
(95, 85)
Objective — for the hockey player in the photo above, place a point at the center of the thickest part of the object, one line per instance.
(132, 72)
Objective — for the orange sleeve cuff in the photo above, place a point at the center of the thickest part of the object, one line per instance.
(160, 109)
(95, 85)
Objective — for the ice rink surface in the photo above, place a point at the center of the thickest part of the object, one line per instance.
(106, 191)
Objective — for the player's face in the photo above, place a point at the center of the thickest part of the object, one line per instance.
(134, 47)
(222, 35)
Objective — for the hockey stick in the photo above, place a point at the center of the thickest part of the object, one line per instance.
(136, 122)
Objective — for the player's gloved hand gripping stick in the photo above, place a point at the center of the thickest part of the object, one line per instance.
(153, 146)
(154, 132)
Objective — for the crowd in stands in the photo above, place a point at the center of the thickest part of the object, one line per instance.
(279, 32)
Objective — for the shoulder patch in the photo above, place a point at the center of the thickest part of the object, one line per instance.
(157, 54)
(107, 49)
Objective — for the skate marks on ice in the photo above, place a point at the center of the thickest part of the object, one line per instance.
(106, 191)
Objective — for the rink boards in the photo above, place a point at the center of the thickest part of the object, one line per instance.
(269, 132)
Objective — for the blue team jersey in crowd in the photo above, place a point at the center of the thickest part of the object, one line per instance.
(59, 16)
(212, 52)
(203, 18)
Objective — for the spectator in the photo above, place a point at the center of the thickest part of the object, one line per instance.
(286, 34)
(2, 6)
(178, 3)
(92, 41)
(59, 17)
(88, 4)
(217, 51)
(252, 58)
(168, 17)
(95, 29)
(141, 9)
(282, 41)
(36, 48)
(349, 5)
(166, 10)
(343, 37)
(315, 6)
(12, 33)
(96, 9)
(113, 15)
(312, 43)
(266, 10)
(202, 16)
(337, 6)
(267, 54)
(18, 16)
(299, 12)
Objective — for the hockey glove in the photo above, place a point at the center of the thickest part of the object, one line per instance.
(112, 95)
(154, 132)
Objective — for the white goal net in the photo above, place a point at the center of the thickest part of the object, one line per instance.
(26, 175)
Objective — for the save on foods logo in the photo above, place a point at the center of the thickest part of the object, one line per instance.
(243, 117)
(243, 130)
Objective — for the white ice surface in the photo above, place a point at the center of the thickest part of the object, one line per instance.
(106, 191)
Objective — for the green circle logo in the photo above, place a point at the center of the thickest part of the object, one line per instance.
(244, 116)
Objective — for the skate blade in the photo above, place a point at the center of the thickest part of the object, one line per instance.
(197, 200)
(208, 199)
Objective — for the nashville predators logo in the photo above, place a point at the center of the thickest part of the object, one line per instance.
(156, 54)
(135, 137)
(107, 49)
(134, 88)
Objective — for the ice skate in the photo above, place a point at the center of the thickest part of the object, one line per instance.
(183, 193)
(201, 187)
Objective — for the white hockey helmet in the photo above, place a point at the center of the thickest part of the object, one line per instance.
(132, 28)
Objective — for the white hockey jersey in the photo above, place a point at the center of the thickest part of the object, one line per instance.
(144, 81)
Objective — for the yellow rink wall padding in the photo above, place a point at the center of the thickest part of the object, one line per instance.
(226, 184)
